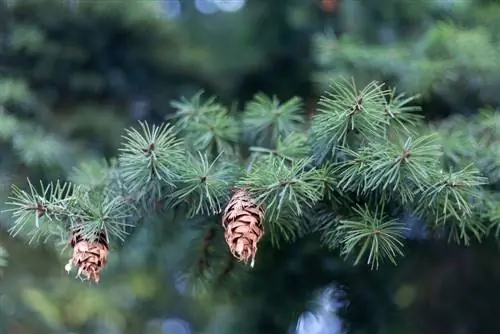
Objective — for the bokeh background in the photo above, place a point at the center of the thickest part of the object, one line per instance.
(74, 73)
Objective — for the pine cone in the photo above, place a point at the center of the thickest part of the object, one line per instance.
(90, 256)
(242, 222)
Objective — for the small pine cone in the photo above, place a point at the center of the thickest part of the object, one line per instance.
(89, 256)
(242, 222)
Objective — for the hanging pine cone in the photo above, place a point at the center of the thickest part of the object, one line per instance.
(242, 222)
(90, 256)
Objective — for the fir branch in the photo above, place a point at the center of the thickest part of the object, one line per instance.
(375, 155)
(59, 208)
(281, 186)
(189, 111)
(150, 156)
(398, 168)
(294, 146)
(287, 227)
(371, 236)
(101, 174)
(465, 231)
(96, 212)
(56, 234)
(204, 185)
(51, 204)
(266, 119)
(347, 113)
(402, 113)
(450, 199)
(214, 132)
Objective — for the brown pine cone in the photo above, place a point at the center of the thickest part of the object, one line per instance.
(89, 256)
(242, 222)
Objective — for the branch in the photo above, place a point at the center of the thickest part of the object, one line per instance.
(53, 203)
(394, 168)
(371, 236)
(347, 113)
(189, 111)
(281, 186)
(205, 186)
(450, 200)
(294, 146)
(150, 156)
(215, 133)
(207, 125)
(59, 208)
(266, 119)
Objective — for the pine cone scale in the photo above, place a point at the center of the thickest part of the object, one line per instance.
(242, 221)
(89, 256)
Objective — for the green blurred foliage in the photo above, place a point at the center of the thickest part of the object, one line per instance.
(444, 50)
(69, 81)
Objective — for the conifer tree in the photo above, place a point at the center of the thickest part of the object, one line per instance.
(346, 181)
(339, 198)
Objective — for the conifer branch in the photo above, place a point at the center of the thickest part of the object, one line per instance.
(366, 149)
(399, 168)
(207, 125)
(266, 119)
(51, 203)
(59, 208)
(346, 113)
(282, 186)
(190, 110)
(294, 146)
(401, 112)
(371, 237)
(450, 200)
(205, 186)
(149, 156)
(215, 132)
(96, 211)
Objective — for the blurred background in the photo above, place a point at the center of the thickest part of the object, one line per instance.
(74, 73)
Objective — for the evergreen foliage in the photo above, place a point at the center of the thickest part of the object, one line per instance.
(449, 56)
(376, 163)
(339, 186)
